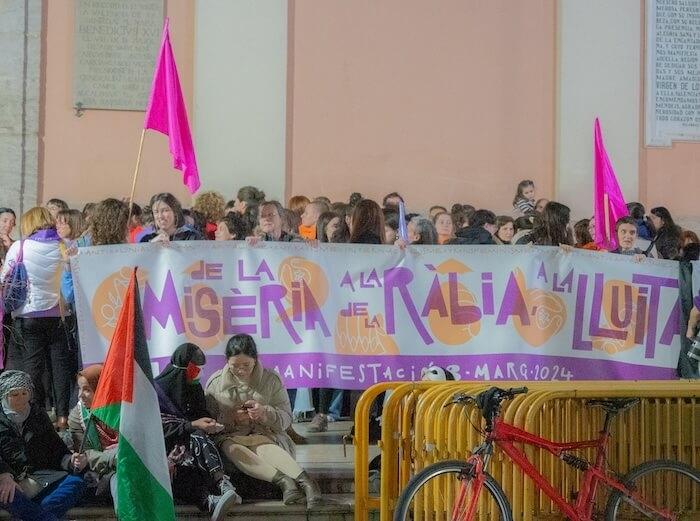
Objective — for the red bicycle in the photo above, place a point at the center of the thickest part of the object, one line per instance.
(459, 490)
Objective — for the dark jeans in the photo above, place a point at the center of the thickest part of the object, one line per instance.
(52, 504)
(330, 402)
(38, 343)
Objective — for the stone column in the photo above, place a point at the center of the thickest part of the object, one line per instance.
(20, 41)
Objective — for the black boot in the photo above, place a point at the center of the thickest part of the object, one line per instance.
(290, 492)
(311, 490)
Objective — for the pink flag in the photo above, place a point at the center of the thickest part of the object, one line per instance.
(605, 183)
(167, 114)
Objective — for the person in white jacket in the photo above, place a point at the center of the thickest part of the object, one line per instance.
(39, 338)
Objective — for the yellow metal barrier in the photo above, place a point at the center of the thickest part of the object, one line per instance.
(418, 430)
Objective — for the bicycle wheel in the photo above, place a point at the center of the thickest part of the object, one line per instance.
(664, 484)
(442, 492)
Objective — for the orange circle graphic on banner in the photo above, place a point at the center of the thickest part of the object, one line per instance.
(623, 312)
(546, 311)
(298, 269)
(363, 335)
(109, 297)
(443, 328)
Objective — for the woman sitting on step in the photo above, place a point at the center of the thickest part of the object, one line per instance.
(199, 476)
(39, 477)
(252, 404)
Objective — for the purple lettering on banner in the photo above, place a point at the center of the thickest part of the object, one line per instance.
(542, 274)
(513, 304)
(347, 281)
(199, 273)
(360, 372)
(566, 285)
(312, 312)
(238, 306)
(435, 300)
(242, 277)
(595, 328)
(487, 293)
(641, 326)
(399, 277)
(655, 283)
(372, 280)
(578, 342)
(621, 323)
(459, 314)
(161, 309)
(205, 313)
(673, 325)
(273, 294)
(264, 268)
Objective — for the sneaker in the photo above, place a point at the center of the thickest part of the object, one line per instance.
(225, 485)
(318, 424)
(219, 506)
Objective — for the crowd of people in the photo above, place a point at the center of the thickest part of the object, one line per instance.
(239, 422)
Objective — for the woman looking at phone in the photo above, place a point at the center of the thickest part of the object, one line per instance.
(253, 406)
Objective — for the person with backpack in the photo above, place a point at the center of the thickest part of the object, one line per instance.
(40, 336)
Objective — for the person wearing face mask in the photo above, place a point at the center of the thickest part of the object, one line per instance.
(187, 423)
(38, 474)
(252, 404)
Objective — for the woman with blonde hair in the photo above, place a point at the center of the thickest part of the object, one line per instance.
(211, 205)
(40, 335)
(298, 204)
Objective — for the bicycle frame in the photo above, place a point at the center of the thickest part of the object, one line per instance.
(505, 435)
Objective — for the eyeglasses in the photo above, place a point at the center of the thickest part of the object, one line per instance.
(241, 367)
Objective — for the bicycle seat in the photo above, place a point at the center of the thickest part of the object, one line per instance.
(613, 405)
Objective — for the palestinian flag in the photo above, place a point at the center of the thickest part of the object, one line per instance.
(126, 401)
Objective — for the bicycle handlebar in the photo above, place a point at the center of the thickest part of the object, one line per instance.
(489, 401)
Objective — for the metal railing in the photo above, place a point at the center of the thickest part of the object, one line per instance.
(418, 430)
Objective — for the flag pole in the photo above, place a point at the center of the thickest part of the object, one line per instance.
(606, 210)
(136, 174)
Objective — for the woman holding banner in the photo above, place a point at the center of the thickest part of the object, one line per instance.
(169, 221)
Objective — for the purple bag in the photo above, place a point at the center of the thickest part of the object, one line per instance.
(14, 286)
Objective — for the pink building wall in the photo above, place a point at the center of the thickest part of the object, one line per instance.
(93, 157)
(458, 112)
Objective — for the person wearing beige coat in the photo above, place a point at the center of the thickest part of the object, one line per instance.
(253, 406)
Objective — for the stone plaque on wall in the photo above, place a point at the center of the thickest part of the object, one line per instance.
(672, 71)
(116, 45)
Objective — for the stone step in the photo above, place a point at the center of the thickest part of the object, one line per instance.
(333, 436)
(340, 508)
